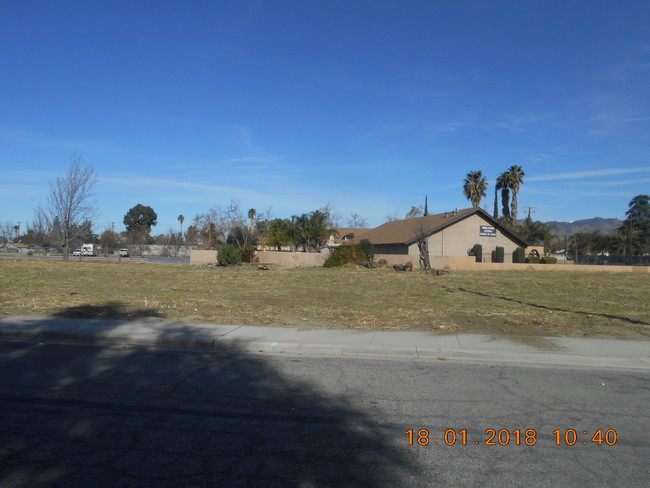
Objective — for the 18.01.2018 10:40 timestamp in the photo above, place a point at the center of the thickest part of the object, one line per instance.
(518, 437)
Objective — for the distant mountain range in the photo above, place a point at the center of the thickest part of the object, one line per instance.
(605, 226)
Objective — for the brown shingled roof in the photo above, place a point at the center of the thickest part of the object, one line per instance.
(405, 231)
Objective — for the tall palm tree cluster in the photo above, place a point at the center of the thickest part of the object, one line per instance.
(510, 181)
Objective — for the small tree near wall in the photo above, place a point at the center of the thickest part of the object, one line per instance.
(499, 255)
(227, 255)
(477, 251)
(519, 256)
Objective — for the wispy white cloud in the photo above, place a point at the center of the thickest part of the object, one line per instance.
(476, 75)
(160, 182)
(219, 163)
(577, 175)
(520, 123)
(538, 157)
(24, 137)
(29, 176)
(635, 119)
(616, 183)
(252, 159)
(21, 191)
(531, 190)
(447, 127)
(604, 194)
(170, 190)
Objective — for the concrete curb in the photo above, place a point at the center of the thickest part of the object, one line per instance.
(416, 346)
(419, 354)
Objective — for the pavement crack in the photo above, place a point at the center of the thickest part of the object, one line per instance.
(230, 331)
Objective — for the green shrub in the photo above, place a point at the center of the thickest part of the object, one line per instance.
(500, 254)
(533, 260)
(228, 254)
(368, 249)
(549, 260)
(247, 252)
(519, 256)
(345, 254)
(336, 258)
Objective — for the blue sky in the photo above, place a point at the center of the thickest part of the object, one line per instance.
(290, 105)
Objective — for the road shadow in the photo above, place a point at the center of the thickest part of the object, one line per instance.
(555, 309)
(122, 416)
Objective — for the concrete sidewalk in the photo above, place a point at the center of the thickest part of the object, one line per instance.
(572, 352)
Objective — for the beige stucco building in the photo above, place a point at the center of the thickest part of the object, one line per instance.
(450, 234)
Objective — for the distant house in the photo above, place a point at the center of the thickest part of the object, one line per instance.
(8, 247)
(23, 247)
(345, 235)
(448, 234)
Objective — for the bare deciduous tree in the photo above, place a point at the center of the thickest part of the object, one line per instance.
(334, 216)
(70, 205)
(423, 245)
(392, 217)
(414, 212)
(6, 232)
(357, 221)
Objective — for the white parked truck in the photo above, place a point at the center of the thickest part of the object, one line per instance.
(89, 249)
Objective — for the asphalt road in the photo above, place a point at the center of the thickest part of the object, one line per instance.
(90, 416)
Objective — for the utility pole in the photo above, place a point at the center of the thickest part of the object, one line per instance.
(629, 241)
(530, 211)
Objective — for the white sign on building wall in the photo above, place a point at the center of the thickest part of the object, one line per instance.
(488, 231)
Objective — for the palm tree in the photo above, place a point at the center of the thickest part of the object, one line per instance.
(211, 235)
(515, 181)
(497, 187)
(293, 232)
(475, 187)
(311, 231)
(320, 229)
(181, 219)
(503, 183)
(251, 215)
(278, 233)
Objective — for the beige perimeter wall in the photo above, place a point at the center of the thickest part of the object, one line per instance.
(468, 263)
(203, 257)
(295, 259)
(453, 263)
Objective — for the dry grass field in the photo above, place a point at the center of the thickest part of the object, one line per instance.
(513, 303)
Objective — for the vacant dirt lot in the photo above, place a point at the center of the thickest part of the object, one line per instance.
(513, 303)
